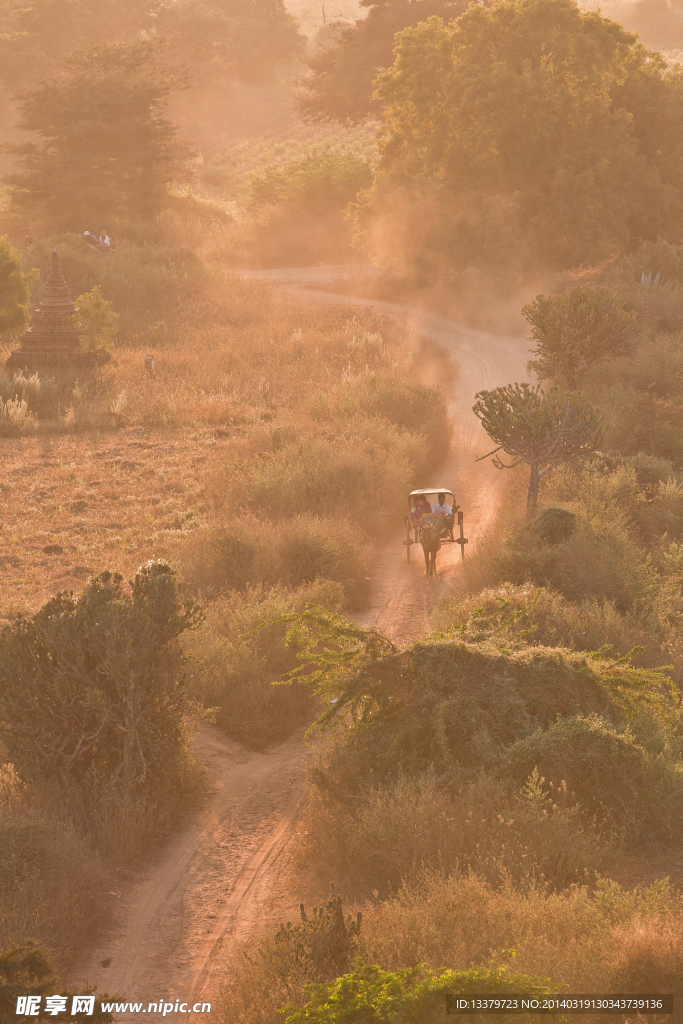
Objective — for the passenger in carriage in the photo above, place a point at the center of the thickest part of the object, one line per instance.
(445, 510)
(418, 507)
(423, 506)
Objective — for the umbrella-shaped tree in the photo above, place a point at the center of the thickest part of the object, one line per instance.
(540, 429)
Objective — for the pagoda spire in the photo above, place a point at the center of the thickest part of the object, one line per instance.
(53, 324)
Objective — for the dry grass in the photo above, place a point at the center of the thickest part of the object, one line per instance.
(587, 941)
(605, 940)
(73, 505)
(119, 471)
(188, 465)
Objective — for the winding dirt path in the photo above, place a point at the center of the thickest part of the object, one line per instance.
(220, 880)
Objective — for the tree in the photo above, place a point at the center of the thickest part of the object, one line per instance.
(339, 86)
(106, 150)
(577, 329)
(245, 38)
(527, 132)
(32, 32)
(90, 685)
(96, 315)
(541, 430)
(15, 292)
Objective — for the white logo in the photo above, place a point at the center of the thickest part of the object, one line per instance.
(28, 1006)
(55, 1005)
(83, 1004)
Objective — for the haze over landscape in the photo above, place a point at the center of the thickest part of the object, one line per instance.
(341, 508)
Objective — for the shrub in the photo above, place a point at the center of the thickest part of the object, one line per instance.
(297, 207)
(541, 617)
(576, 329)
(289, 553)
(608, 771)
(411, 996)
(41, 394)
(585, 938)
(15, 418)
(311, 187)
(320, 946)
(88, 686)
(395, 832)
(338, 473)
(454, 707)
(144, 282)
(601, 559)
(233, 661)
(413, 406)
(554, 525)
(650, 281)
(44, 863)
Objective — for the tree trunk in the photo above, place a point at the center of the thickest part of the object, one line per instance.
(532, 494)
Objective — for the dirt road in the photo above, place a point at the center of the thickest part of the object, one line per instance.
(402, 596)
(220, 880)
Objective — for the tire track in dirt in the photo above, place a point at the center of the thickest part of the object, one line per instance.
(217, 882)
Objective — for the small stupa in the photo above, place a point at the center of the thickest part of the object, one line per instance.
(52, 338)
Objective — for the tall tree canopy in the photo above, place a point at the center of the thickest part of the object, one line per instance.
(245, 38)
(339, 85)
(105, 151)
(524, 132)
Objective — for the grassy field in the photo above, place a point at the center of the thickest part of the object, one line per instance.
(240, 461)
(74, 505)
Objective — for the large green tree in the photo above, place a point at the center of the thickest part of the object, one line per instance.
(339, 84)
(105, 149)
(526, 132)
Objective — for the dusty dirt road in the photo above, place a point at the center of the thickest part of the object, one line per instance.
(402, 596)
(221, 879)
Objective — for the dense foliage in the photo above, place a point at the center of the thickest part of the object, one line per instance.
(298, 207)
(577, 329)
(90, 685)
(106, 151)
(412, 996)
(526, 133)
(340, 83)
(15, 291)
(241, 38)
(454, 708)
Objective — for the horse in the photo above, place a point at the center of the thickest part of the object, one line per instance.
(430, 538)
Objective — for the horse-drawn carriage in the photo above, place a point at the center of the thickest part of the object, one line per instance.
(431, 528)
